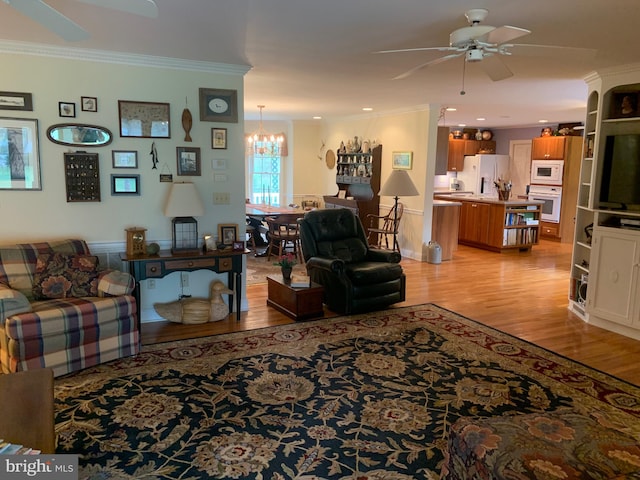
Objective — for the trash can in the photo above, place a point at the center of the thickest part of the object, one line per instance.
(434, 252)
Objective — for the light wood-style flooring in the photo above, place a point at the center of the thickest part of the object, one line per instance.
(521, 293)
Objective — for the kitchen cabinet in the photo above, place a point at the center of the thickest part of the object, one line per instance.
(474, 223)
(548, 148)
(498, 225)
(459, 148)
(614, 289)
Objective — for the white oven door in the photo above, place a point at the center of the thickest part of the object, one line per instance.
(551, 206)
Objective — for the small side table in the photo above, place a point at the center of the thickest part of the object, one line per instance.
(27, 409)
(297, 303)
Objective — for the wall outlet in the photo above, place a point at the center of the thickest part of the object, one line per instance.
(151, 284)
(184, 276)
(221, 198)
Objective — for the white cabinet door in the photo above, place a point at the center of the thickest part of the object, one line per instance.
(613, 278)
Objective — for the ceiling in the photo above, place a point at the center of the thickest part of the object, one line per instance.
(311, 57)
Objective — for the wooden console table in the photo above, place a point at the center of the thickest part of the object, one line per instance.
(143, 267)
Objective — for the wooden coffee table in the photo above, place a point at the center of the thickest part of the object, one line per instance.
(297, 303)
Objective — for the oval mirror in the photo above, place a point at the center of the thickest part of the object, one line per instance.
(79, 135)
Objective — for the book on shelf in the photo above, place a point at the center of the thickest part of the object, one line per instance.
(300, 281)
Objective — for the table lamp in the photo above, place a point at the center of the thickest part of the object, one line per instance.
(183, 203)
(398, 184)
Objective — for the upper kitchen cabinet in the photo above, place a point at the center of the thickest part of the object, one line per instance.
(459, 148)
(548, 148)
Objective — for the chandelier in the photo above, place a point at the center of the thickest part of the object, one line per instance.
(262, 142)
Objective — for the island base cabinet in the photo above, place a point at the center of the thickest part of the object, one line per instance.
(613, 291)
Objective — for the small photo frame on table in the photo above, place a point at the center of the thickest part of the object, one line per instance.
(16, 101)
(125, 184)
(228, 233)
(402, 160)
(66, 109)
(238, 246)
(188, 159)
(89, 104)
(124, 158)
(219, 138)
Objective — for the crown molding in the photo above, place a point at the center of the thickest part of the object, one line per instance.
(105, 56)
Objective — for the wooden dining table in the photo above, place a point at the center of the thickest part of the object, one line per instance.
(256, 214)
(262, 211)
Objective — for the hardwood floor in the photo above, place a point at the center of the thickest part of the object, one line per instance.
(521, 293)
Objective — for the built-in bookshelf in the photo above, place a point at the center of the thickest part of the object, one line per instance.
(605, 285)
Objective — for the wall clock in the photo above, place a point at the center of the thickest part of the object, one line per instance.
(218, 105)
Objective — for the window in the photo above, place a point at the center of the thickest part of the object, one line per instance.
(264, 165)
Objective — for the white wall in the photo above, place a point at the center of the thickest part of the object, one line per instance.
(413, 131)
(52, 76)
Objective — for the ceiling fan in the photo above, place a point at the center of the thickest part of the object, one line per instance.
(477, 43)
(66, 28)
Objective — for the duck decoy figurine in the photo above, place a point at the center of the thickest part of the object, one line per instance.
(191, 311)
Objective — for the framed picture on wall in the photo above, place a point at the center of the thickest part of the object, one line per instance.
(125, 184)
(124, 158)
(66, 109)
(16, 101)
(402, 160)
(188, 159)
(19, 142)
(219, 138)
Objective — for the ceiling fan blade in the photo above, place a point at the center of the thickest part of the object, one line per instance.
(495, 67)
(50, 18)
(428, 64)
(502, 34)
(420, 49)
(554, 51)
(145, 8)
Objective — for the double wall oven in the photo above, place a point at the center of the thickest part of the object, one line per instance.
(546, 186)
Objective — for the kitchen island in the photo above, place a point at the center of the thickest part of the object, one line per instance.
(497, 225)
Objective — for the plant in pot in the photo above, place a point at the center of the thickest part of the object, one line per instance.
(286, 263)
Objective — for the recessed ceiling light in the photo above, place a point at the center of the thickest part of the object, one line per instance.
(543, 121)
(367, 109)
(317, 117)
(462, 124)
(451, 109)
(481, 119)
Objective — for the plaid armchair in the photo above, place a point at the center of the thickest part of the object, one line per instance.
(58, 310)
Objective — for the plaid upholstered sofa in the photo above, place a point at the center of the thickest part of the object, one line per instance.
(59, 310)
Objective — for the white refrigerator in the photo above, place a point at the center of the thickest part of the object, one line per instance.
(480, 171)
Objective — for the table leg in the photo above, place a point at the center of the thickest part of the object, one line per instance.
(238, 295)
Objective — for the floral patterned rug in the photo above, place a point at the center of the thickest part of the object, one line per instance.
(366, 397)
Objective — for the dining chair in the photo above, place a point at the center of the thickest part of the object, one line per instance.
(284, 234)
(381, 227)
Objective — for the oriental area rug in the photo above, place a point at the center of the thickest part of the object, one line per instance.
(406, 393)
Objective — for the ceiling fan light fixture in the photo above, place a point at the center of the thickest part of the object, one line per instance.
(474, 55)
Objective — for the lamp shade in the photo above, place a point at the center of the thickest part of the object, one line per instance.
(183, 201)
(399, 184)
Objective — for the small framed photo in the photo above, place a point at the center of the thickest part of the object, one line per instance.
(66, 109)
(188, 159)
(218, 105)
(402, 160)
(124, 158)
(219, 138)
(238, 246)
(125, 184)
(227, 233)
(89, 104)
(16, 101)
(625, 104)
